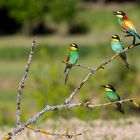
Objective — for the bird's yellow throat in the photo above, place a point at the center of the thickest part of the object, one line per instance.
(115, 40)
(108, 89)
(73, 48)
(119, 16)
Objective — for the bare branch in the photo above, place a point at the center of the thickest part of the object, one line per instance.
(83, 66)
(37, 116)
(93, 71)
(66, 134)
(78, 88)
(109, 103)
(22, 83)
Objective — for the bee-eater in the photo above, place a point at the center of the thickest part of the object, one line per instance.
(117, 47)
(126, 24)
(71, 59)
(113, 96)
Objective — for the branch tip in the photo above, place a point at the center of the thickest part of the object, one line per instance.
(134, 103)
(22, 83)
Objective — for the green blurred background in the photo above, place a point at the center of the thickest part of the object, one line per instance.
(54, 25)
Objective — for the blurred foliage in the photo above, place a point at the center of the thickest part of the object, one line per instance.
(31, 13)
(60, 10)
(2, 3)
(44, 16)
(26, 10)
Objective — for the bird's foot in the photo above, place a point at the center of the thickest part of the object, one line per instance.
(102, 66)
(64, 62)
(134, 40)
(127, 35)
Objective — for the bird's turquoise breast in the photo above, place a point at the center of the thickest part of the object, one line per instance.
(73, 57)
(116, 47)
(120, 21)
(112, 96)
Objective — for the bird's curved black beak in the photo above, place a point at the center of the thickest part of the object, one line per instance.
(103, 86)
(115, 13)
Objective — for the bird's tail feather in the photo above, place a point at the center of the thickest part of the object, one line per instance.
(123, 56)
(67, 74)
(67, 70)
(119, 105)
(126, 63)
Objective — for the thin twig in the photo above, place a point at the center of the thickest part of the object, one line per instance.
(101, 66)
(83, 66)
(109, 103)
(22, 83)
(47, 108)
(66, 134)
(80, 65)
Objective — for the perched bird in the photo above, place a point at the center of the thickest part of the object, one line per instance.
(116, 46)
(113, 96)
(71, 59)
(126, 24)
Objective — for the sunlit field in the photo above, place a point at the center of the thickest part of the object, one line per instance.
(123, 129)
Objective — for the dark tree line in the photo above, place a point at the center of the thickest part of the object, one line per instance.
(28, 16)
(32, 16)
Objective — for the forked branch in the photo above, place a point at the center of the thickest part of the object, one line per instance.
(37, 116)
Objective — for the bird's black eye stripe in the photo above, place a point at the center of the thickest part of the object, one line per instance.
(115, 37)
(120, 12)
(74, 45)
(111, 87)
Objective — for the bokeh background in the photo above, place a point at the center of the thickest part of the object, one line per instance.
(54, 25)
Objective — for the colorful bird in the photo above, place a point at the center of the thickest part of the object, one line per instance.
(116, 46)
(126, 24)
(71, 59)
(113, 96)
